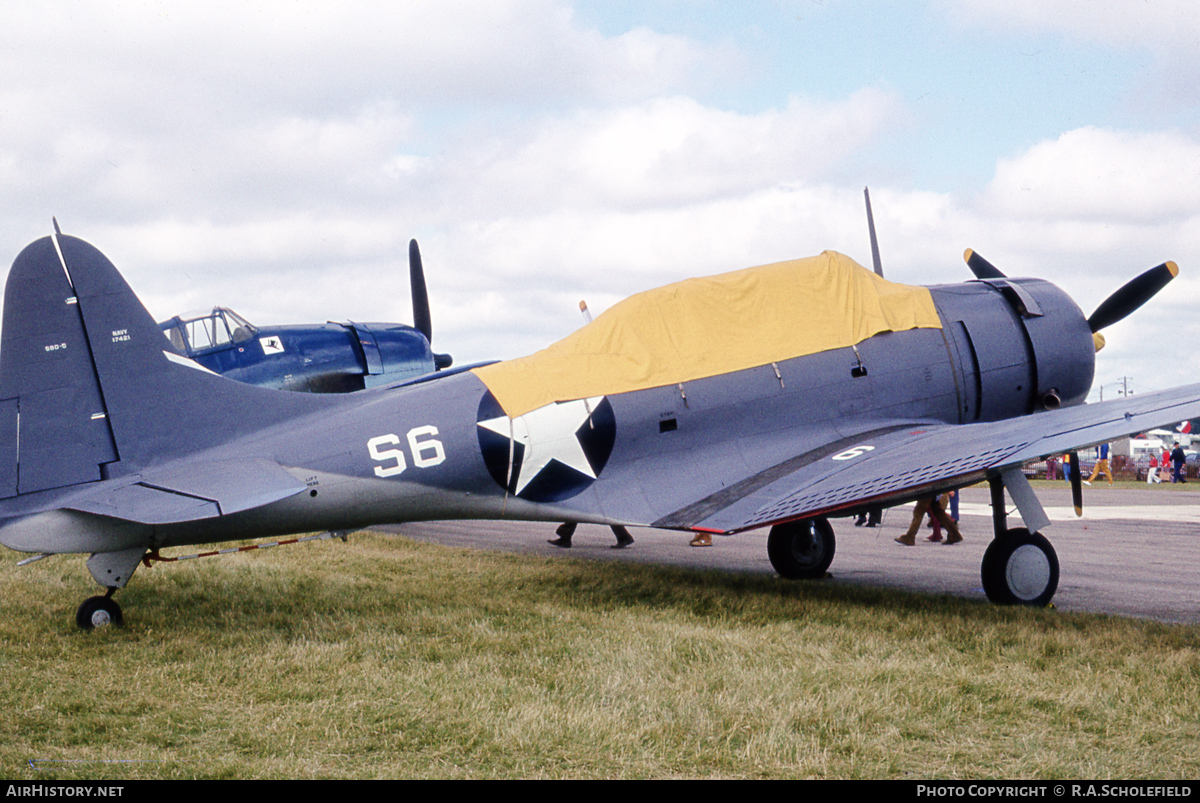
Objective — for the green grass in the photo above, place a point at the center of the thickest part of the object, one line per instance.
(389, 658)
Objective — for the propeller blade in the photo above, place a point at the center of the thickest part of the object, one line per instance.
(420, 296)
(981, 267)
(1076, 483)
(1132, 295)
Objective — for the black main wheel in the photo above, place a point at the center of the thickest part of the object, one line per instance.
(801, 550)
(1020, 569)
(98, 612)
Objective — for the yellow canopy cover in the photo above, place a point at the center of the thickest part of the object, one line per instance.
(703, 327)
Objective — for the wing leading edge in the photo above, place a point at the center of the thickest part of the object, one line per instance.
(908, 460)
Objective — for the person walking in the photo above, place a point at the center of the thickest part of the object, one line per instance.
(1101, 466)
(933, 507)
(1178, 458)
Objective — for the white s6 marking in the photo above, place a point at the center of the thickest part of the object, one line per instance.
(425, 453)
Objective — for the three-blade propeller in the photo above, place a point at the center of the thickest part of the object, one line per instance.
(1118, 306)
(422, 321)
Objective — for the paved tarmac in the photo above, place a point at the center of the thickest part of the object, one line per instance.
(1136, 551)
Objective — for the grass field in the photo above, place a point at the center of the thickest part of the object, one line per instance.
(386, 658)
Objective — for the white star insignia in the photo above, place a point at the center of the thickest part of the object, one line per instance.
(548, 433)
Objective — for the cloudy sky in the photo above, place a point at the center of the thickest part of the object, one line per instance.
(277, 157)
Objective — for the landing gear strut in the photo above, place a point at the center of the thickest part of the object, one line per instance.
(111, 570)
(1019, 567)
(801, 550)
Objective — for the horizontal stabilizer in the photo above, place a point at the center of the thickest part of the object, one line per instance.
(194, 491)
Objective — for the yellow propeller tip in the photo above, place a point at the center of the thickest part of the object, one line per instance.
(967, 256)
(1098, 340)
(1171, 266)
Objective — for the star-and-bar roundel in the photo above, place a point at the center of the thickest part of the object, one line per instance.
(557, 451)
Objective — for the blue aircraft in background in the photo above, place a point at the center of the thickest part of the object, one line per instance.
(316, 358)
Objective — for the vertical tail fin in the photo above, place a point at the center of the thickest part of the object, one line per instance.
(88, 387)
(53, 421)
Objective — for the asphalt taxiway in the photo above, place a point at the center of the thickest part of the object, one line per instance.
(1135, 552)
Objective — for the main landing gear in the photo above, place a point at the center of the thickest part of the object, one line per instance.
(1019, 567)
(801, 550)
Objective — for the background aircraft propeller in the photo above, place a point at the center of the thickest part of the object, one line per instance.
(420, 296)
(422, 321)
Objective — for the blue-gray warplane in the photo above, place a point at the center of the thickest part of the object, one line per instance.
(317, 358)
(779, 396)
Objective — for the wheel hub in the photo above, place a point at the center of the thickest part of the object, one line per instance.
(1028, 572)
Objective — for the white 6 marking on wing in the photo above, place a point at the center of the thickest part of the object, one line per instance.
(853, 452)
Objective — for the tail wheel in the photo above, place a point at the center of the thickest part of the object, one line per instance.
(98, 612)
(801, 550)
(1021, 568)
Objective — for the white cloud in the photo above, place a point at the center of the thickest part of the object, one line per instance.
(672, 151)
(301, 57)
(1099, 174)
(217, 116)
(1117, 22)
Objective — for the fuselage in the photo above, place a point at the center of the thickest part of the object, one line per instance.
(444, 447)
(421, 451)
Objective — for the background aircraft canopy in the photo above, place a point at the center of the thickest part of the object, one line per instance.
(200, 332)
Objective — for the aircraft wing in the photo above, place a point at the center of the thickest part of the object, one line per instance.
(907, 460)
(194, 491)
